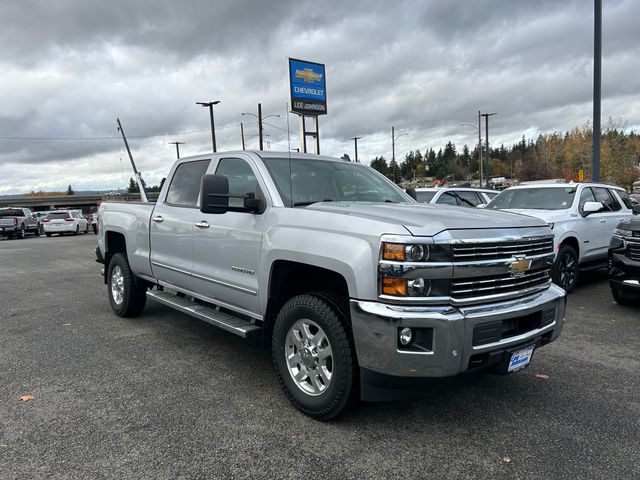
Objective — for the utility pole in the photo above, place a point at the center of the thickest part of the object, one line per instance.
(213, 129)
(597, 77)
(242, 134)
(177, 144)
(480, 146)
(393, 151)
(486, 137)
(260, 125)
(355, 140)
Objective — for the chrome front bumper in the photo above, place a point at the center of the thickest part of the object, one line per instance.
(376, 326)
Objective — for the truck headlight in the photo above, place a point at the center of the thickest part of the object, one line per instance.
(417, 252)
(622, 232)
(419, 287)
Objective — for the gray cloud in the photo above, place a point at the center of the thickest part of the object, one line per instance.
(69, 68)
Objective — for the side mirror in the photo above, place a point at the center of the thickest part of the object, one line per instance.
(591, 207)
(214, 194)
(412, 193)
(636, 209)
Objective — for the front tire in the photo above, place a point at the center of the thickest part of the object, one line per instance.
(314, 357)
(565, 268)
(127, 295)
(47, 234)
(38, 230)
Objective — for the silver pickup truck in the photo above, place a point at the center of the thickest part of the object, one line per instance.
(16, 222)
(359, 291)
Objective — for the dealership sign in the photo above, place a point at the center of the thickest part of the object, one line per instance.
(307, 86)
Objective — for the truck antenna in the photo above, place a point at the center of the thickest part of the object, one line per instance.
(138, 175)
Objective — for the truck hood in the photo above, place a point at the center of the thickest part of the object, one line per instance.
(428, 219)
(549, 216)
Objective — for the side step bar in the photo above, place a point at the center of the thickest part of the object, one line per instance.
(226, 321)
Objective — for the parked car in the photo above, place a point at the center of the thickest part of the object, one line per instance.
(360, 291)
(16, 222)
(65, 221)
(624, 262)
(463, 196)
(581, 215)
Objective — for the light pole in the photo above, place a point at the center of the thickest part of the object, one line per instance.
(355, 141)
(479, 145)
(177, 144)
(394, 137)
(260, 119)
(242, 134)
(486, 137)
(213, 130)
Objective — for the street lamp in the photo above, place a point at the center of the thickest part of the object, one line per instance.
(260, 118)
(355, 140)
(394, 137)
(213, 131)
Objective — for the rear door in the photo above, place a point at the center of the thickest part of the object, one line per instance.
(227, 247)
(171, 228)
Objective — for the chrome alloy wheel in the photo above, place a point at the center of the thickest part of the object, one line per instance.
(567, 270)
(309, 357)
(117, 285)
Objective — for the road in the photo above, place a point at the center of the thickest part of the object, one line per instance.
(167, 396)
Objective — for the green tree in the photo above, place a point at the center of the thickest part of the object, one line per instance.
(133, 186)
(70, 191)
(379, 164)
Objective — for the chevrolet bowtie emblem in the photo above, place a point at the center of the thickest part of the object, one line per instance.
(520, 266)
(308, 75)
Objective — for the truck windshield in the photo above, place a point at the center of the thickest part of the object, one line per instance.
(535, 198)
(305, 181)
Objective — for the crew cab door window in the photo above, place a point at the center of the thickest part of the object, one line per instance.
(241, 179)
(185, 184)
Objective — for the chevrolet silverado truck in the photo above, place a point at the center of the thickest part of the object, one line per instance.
(360, 291)
(16, 222)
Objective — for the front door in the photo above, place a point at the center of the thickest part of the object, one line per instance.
(227, 247)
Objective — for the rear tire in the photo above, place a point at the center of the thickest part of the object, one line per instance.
(127, 294)
(47, 234)
(314, 356)
(21, 232)
(565, 269)
(77, 230)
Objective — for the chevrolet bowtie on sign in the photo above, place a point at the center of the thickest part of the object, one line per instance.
(519, 267)
(307, 86)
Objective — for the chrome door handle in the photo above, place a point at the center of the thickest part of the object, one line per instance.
(603, 221)
(158, 219)
(202, 224)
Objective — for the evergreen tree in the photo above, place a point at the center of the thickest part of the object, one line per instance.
(70, 191)
(379, 164)
(133, 186)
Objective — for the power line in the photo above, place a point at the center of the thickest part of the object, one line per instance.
(2, 137)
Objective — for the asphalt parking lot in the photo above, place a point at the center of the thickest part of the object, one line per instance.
(167, 396)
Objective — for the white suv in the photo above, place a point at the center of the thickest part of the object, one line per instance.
(582, 216)
(463, 196)
(64, 221)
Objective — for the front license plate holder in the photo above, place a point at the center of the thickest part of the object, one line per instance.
(520, 358)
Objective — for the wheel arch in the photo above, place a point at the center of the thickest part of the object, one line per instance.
(289, 278)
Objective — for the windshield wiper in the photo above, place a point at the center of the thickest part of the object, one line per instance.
(305, 204)
(462, 199)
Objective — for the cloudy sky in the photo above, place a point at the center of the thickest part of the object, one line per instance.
(69, 68)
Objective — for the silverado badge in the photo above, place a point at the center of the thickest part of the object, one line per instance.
(520, 266)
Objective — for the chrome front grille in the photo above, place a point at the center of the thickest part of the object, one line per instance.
(489, 251)
(633, 249)
(464, 288)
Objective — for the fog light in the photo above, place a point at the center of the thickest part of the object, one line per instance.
(406, 335)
